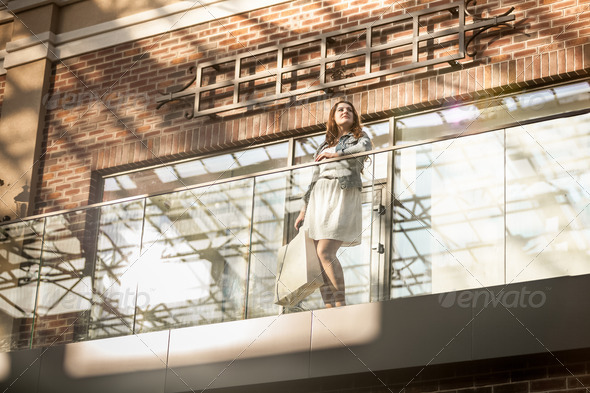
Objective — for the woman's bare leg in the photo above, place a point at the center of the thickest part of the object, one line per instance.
(333, 293)
(326, 290)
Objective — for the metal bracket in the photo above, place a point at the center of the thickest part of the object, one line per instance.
(495, 21)
(177, 95)
(380, 209)
(380, 248)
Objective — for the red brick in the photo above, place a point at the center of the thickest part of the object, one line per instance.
(566, 51)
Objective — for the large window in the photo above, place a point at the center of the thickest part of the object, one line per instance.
(191, 173)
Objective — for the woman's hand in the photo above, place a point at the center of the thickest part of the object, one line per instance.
(299, 219)
(326, 155)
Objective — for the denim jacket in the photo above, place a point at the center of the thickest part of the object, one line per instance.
(347, 145)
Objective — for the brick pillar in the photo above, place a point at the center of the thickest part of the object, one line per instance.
(28, 65)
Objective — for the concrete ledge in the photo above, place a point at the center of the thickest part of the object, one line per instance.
(529, 318)
(27, 50)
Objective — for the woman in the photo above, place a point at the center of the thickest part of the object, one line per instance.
(332, 209)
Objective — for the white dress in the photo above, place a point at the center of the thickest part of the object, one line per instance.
(333, 212)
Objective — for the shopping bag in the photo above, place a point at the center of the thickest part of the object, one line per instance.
(299, 273)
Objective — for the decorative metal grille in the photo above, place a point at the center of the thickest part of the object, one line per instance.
(325, 62)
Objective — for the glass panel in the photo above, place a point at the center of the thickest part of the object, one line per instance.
(443, 123)
(190, 173)
(356, 263)
(379, 134)
(194, 256)
(492, 115)
(306, 147)
(448, 231)
(375, 169)
(547, 196)
(20, 253)
(267, 237)
(190, 259)
(375, 245)
(117, 267)
(65, 289)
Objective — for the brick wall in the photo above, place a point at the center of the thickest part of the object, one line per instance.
(44, 331)
(83, 135)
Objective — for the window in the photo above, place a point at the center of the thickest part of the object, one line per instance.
(187, 174)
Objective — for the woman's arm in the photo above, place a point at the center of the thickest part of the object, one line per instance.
(300, 217)
(363, 144)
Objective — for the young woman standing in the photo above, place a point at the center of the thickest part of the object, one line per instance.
(332, 205)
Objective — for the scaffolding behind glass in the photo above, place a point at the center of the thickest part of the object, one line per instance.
(496, 207)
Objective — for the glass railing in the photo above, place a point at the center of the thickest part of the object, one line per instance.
(198, 256)
(492, 208)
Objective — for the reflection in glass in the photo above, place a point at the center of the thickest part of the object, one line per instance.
(306, 147)
(547, 196)
(448, 216)
(356, 263)
(194, 257)
(375, 170)
(379, 134)
(268, 228)
(20, 254)
(117, 267)
(65, 287)
(189, 173)
(461, 120)
(446, 122)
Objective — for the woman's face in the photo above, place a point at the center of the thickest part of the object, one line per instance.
(343, 116)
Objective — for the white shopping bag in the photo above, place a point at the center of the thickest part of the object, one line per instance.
(299, 272)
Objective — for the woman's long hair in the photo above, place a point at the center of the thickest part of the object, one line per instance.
(332, 128)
